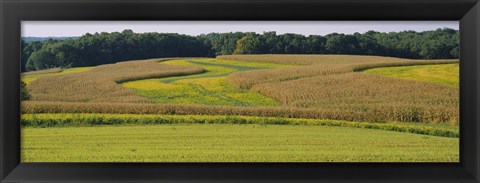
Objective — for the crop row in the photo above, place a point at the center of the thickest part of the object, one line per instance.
(52, 120)
(376, 113)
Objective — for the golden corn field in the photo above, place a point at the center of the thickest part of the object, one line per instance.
(322, 87)
(393, 99)
(327, 84)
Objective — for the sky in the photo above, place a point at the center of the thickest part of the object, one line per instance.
(79, 28)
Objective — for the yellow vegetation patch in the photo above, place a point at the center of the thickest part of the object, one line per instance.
(151, 84)
(446, 74)
(208, 88)
(214, 83)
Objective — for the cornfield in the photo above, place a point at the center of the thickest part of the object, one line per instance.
(376, 113)
(100, 84)
(363, 92)
(315, 87)
(331, 82)
(314, 65)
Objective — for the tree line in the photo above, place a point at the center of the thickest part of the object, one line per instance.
(104, 48)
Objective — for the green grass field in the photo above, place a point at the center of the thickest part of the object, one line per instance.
(445, 74)
(232, 143)
(210, 88)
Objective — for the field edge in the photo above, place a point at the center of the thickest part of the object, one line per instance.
(78, 120)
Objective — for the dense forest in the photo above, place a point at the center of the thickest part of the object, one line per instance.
(32, 39)
(103, 48)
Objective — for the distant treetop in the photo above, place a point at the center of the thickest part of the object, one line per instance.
(103, 48)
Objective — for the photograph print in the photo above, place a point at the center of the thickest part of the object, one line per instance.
(240, 91)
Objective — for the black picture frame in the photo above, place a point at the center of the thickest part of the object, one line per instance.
(12, 12)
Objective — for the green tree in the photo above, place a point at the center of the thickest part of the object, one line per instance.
(248, 44)
(41, 59)
(24, 94)
(316, 44)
